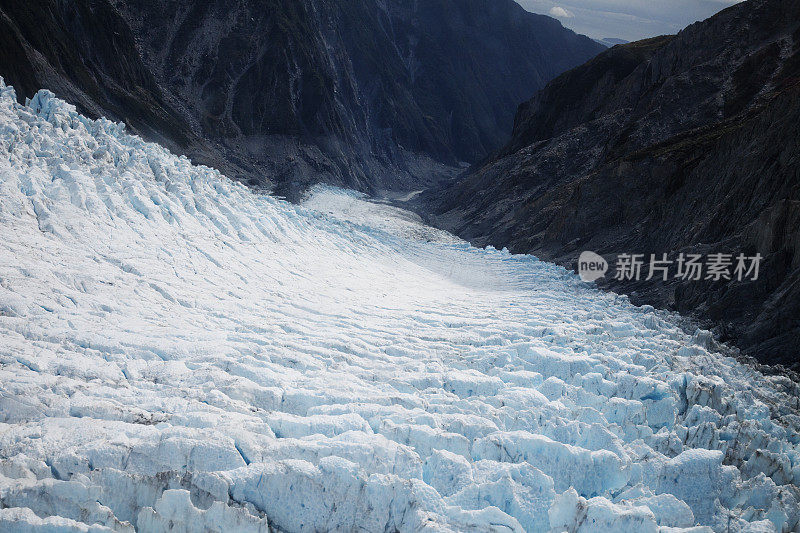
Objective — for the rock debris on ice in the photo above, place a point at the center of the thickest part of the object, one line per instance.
(179, 352)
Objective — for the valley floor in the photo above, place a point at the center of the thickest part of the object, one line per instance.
(179, 352)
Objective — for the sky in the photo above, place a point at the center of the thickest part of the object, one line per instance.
(626, 19)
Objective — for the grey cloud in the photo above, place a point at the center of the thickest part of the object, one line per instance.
(627, 19)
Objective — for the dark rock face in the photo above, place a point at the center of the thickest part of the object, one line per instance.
(674, 144)
(370, 94)
(85, 52)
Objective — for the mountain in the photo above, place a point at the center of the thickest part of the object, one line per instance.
(365, 93)
(611, 41)
(181, 353)
(684, 143)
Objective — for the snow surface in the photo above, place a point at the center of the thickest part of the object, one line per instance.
(179, 352)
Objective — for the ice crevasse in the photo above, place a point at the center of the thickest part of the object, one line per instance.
(178, 352)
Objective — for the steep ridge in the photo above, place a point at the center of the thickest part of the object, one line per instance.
(178, 352)
(366, 93)
(674, 144)
(86, 53)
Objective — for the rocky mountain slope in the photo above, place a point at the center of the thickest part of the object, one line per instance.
(364, 93)
(674, 144)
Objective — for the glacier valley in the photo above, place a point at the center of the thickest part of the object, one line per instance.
(179, 352)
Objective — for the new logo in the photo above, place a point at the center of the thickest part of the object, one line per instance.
(591, 266)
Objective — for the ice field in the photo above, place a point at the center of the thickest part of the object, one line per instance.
(180, 353)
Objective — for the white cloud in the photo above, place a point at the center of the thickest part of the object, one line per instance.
(560, 12)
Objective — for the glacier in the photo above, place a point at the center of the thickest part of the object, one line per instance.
(181, 353)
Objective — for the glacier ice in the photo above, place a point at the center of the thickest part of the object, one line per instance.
(179, 352)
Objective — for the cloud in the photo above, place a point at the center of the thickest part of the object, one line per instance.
(626, 19)
(560, 12)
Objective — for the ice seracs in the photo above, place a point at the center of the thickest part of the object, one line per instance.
(177, 351)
